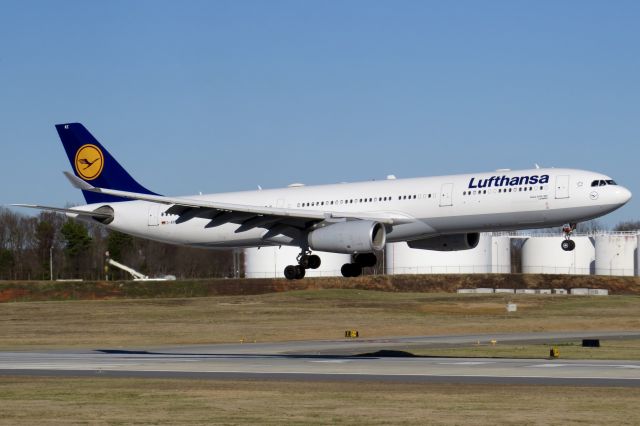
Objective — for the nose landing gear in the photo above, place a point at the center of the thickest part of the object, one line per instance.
(306, 260)
(568, 244)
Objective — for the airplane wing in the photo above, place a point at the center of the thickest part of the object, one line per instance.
(228, 212)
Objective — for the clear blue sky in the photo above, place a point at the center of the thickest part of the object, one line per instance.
(225, 95)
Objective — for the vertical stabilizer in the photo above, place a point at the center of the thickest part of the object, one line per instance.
(92, 163)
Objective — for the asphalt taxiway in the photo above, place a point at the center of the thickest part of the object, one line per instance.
(332, 360)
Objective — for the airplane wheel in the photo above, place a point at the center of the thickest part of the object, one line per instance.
(300, 272)
(314, 262)
(304, 261)
(366, 260)
(357, 270)
(346, 270)
(290, 272)
(568, 245)
(351, 270)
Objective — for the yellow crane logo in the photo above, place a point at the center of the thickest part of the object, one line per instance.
(89, 162)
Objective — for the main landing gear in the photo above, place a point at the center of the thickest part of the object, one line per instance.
(306, 260)
(568, 244)
(361, 260)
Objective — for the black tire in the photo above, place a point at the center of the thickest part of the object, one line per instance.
(366, 260)
(290, 272)
(346, 270)
(314, 261)
(356, 270)
(572, 245)
(300, 272)
(566, 245)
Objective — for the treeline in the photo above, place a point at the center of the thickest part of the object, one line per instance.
(77, 251)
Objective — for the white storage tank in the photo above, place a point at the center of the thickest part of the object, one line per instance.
(616, 254)
(500, 254)
(401, 259)
(269, 262)
(543, 255)
(638, 255)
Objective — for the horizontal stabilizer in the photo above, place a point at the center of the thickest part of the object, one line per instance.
(77, 182)
(98, 214)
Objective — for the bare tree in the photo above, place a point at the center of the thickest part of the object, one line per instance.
(629, 225)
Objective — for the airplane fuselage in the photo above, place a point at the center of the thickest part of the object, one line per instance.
(433, 206)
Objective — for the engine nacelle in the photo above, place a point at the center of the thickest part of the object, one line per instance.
(452, 242)
(357, 236)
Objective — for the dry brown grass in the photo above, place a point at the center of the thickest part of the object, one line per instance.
(71, 401)
(298, 315)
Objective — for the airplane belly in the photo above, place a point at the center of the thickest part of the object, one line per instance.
(196, 233)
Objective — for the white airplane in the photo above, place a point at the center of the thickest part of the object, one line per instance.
(434, 213)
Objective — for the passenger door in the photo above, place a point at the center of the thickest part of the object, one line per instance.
(154, 211)
(446, 193)
(562, 186)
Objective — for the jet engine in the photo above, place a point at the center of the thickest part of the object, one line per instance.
(357, 236)
(451, 242)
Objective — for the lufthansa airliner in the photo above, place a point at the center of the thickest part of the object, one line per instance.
(433, 213)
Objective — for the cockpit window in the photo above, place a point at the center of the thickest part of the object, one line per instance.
(603, 182)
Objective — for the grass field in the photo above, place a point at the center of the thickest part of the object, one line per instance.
(298, 315)
(115, 401)
(313, 314)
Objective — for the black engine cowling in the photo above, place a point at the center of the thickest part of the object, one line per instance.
(357, 236)
(453, 242)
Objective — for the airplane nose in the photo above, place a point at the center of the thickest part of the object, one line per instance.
(623, 195)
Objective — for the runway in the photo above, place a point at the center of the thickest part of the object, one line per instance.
(332, 360)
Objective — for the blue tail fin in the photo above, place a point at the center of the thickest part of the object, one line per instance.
(92, 163)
